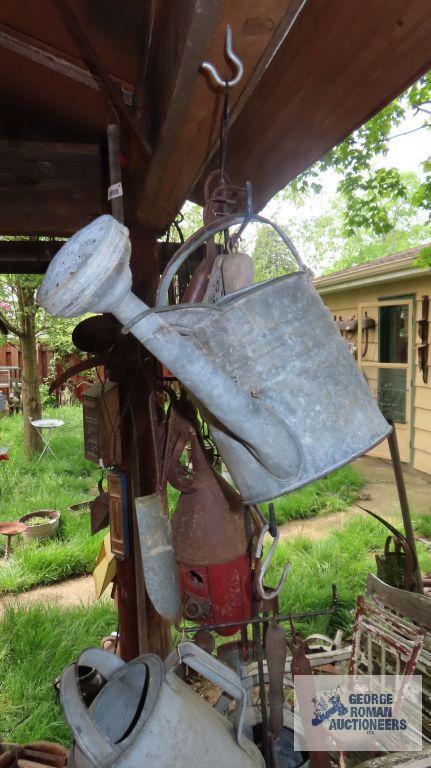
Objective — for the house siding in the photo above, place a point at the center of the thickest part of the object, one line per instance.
(344, 304)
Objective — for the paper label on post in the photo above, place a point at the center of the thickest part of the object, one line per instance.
(115, 190)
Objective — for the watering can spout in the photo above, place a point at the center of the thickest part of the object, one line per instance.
(91, 273)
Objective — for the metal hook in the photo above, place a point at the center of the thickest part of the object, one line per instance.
(233, 58)
(271, 528)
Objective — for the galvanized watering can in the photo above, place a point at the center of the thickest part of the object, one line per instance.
(145, 716)
(266, 365)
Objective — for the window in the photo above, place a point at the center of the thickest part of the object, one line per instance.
(393, 348)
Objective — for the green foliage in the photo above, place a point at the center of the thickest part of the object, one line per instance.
(51, 483)
(345, 557)
(423, 259)
(52, 332)
(422, 525)
(333, 493)
(36, 644)
(270, 255)
(368, 190)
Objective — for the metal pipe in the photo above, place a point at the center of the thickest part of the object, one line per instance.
(277, 617)
(404, 503)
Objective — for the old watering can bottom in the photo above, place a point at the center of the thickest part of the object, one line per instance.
(266, 365)
(144, 716)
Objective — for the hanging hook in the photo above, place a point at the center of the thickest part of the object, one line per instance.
(233, 58)
(272, 529)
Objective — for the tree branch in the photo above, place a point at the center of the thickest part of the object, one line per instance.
(413, 130)
(7, 327)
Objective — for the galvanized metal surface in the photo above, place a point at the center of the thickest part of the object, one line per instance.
(158, 558)
(172, 726)
(283, 397)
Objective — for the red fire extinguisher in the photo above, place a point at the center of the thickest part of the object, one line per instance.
(212, 549)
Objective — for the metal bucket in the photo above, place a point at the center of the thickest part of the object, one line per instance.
(267, 366)
(144, 716)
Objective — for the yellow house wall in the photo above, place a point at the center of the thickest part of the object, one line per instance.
(344, 304)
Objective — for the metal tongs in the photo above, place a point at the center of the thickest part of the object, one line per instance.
(270, 527)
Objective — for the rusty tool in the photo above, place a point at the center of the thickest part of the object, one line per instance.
(300, 666)
(276, 652)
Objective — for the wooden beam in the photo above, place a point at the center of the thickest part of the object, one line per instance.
(340, 64)
(187, 30)
(187, 106)
(57, 61)
(95, 66)
(49, 188)
(280, 34)
(25, 257)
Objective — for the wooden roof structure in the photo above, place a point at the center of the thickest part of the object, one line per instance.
(313, 71)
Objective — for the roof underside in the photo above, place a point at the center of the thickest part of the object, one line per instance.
(313, 72)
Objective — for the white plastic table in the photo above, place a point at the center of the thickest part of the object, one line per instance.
(46, 428)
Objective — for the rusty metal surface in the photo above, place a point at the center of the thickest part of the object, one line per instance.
(276, 653)
(208, 523)
(36, 754)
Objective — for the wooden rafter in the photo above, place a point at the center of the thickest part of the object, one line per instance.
(57, 61)
(95, 66)
(22, 257)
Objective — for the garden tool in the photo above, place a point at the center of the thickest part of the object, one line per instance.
(396, 567)
(158, 559)
(266, 365)
(142, 707)
(211, 548)
(276, 652)
(99, 509)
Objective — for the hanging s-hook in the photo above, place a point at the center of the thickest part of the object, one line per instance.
(272, 529)
(233, 58)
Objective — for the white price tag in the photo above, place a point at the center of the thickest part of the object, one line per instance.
(115, 190)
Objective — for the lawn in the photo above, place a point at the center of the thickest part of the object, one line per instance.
(54, 483)
(333, 493)
(59, 482)
(36, 644)
(344, 557)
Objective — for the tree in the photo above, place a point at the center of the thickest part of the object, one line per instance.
(27, 324)
(322, 240)
(370, 191)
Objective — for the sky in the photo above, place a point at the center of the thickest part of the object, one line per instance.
(406, 152)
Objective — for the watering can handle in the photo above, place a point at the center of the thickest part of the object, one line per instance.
(219, 674)
(208, 231)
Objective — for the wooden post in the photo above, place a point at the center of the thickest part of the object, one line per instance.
(142, 630)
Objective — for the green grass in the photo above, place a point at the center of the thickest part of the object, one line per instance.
(36, 644)
(51, 483)
(422, 525)
(333, 493)
(345, 557)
